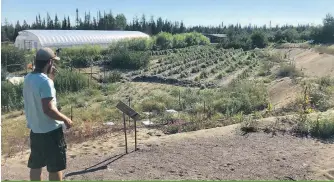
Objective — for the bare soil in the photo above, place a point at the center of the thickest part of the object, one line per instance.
(282, 92)
(213, 154)
(311, 62)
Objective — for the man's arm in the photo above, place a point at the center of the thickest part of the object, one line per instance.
(47, 94)
(53, 112)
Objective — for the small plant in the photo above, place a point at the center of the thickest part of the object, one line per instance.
(197, 79)
(249, 125)
(113, 77)
(195, 70)
(219, 76)
(325, 82)
(172, 129)
(288, 70)
(203, 75)
(322, 128)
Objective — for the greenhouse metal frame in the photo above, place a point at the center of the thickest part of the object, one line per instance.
(35, 39)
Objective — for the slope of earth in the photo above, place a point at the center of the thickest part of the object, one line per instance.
(313, 63)
(282, 92)
(218, 153)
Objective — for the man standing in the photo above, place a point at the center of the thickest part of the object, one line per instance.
(48, 146)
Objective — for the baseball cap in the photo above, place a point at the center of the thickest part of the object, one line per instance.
(45, 54)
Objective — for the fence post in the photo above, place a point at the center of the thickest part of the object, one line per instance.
(71, 113)
(129, 106)
(126, 140)
(104, 74)
(91, 72)
(180, 100)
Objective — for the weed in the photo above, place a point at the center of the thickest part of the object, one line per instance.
(322, 128)
(288, 70)
(249, 125)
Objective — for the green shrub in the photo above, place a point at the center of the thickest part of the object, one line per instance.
(242, 97)
(82, 56)
(11, 55)
(125, 59)
(322, 128)
(195, 38)
(325, 82)
(219, 76)
(113, 77)
(136, 44)
(11, 96)
(288, 70)
(164, 41)
(259, 40)
(179, 41)
(321, 98)
(150, 105)
(203, 74)
(69, 81)
(172, 129)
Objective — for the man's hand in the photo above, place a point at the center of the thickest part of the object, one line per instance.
(68, 123)
(53, 72)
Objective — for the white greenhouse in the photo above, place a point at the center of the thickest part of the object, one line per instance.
(35, 39)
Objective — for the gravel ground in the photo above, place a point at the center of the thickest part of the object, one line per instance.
(214, 154)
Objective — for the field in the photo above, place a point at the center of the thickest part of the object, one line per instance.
(227, 94)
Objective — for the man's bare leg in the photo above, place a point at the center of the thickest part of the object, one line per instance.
(36, 174)
(56, 176)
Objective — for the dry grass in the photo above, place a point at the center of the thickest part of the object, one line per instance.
(325, 49)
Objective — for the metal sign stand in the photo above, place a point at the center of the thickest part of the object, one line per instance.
(132, 114)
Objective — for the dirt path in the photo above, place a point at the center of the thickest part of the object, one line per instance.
(212, 154)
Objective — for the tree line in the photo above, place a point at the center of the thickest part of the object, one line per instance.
(236, 33)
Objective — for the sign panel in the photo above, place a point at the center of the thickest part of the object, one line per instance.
(127, 110)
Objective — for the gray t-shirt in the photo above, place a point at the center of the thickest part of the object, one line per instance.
(36, 87)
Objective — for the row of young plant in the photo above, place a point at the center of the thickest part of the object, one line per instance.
(205, 59)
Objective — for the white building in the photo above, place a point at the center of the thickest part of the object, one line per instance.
(35, 39)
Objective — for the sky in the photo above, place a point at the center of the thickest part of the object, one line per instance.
(191, 12)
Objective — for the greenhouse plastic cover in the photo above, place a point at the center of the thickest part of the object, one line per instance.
(60, 38)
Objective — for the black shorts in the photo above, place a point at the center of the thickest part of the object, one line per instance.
(48, 149)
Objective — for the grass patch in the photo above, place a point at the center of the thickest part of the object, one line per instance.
(325, 49)
(288, 70)
(322, 128)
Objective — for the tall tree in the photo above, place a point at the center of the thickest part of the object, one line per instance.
(17, 29)
(143, 24)
(152, 26)
(57, 23)
(182, 28)
(25, 25)
(64, 24)
(160, 25)
(120, 22)
(68, 23)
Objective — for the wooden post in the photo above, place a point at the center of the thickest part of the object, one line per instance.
(135, 134)
(88, 83)
(126, 140)
(71, 113)
(104, 73)
(180, 99)
(91, 72)
(129, 106)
